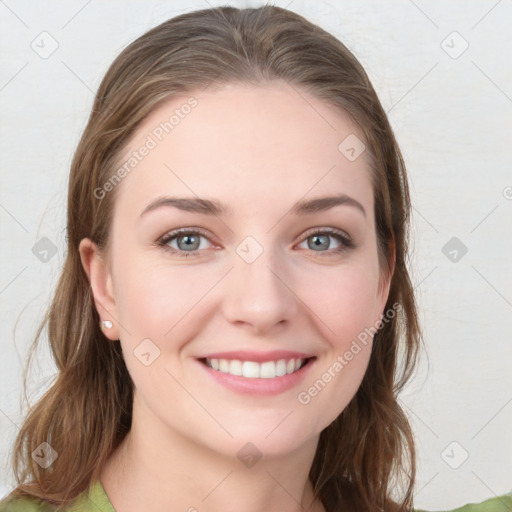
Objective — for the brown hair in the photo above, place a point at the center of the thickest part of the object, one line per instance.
(368, 452)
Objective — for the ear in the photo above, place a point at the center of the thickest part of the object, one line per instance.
(100, 279)
(385, 284)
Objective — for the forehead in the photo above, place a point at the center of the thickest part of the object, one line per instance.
(241, 143)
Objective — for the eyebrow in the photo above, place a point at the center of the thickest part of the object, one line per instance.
(214, 207)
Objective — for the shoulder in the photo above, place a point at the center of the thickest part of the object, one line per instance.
(25, 504)
(501, 503)
(93, 499)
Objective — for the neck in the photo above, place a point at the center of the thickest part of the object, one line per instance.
(158, 469)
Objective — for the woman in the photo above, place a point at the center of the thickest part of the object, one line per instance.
(235, 316)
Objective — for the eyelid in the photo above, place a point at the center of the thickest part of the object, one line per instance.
(344, 238)
(328, 231)
(176, 233)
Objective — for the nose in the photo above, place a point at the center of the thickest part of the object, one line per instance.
(259, 295)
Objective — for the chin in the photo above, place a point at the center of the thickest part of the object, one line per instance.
(267, 439)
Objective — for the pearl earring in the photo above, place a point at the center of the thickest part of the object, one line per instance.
(107, 324)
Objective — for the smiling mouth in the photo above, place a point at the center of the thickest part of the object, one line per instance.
(255, 370)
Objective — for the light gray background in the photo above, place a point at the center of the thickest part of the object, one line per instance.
(452, 117)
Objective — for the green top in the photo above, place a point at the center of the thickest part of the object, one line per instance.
(96, 500)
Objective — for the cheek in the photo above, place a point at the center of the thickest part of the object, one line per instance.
(152, 297)
(154, 305)
(157, 301)
(346, 311)
(345, 302)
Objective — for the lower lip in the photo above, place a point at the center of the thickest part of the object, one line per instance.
(262, 387)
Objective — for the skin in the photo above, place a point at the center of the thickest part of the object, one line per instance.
(259, 149)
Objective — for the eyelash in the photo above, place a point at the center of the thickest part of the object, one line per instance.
(345, 241)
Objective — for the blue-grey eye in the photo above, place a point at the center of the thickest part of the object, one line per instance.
(321, 242)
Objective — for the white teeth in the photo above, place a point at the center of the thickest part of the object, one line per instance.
(267, 370)
(254, 370)
(235, 367)
(281, 368)
(251, 370)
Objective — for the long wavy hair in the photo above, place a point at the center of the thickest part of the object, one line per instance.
(365, 459)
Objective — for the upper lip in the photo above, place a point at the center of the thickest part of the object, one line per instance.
(258, 357)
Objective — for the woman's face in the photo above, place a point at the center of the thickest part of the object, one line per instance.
(252, 289)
